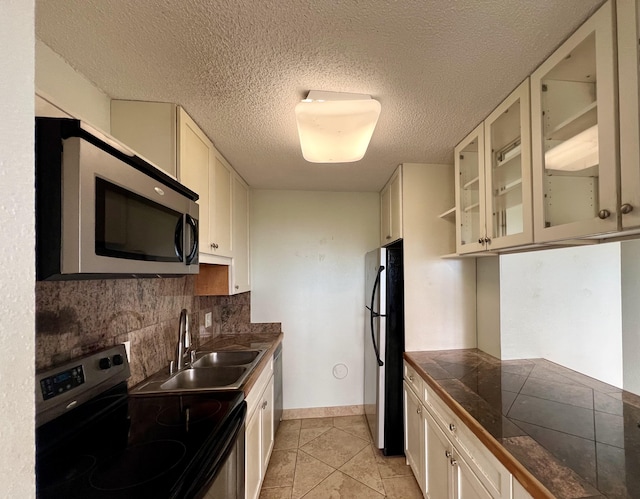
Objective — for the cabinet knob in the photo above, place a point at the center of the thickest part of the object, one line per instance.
(264, 404)
(626, 208)
(237, 287)
(452, 427)
(411, 377)
(481, 240)
(388, 237)
(602, 214)
(447, 454)
(453, 462)
(419, 410)
(487, 240)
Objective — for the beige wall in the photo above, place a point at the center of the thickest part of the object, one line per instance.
(17, 249)
(307, 254)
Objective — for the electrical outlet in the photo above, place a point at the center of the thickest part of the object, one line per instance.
(207, 319)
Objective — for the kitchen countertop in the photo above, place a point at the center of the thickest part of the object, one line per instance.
(579, 437)
(247, 341)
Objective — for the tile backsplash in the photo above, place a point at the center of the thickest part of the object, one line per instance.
(74, 318)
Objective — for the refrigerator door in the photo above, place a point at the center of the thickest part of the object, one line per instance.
(375, 343)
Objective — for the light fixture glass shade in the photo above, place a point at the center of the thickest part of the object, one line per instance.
(336, 127)
(577, 153)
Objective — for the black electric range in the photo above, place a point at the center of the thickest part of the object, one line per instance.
(95, 441)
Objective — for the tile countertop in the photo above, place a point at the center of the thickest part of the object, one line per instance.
(245, 342)
(577, 436)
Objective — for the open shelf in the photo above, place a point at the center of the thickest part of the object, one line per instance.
(572, 126)
(472, 183)
(473, 207)
(449, 214)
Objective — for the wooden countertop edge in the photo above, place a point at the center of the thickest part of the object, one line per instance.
(524, 476)
(248, 385)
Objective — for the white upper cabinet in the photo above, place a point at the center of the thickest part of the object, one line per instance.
(240, 271)
(391, 209)
(575, 134)
(493, 179)
(507, 152)
(470, 187)
(628, 13)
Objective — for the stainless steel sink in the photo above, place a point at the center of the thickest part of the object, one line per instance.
(226, 358)
(203, 379)
(211, 371)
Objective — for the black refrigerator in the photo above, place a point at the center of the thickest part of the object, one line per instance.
(384, 345)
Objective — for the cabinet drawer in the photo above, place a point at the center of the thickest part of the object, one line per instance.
(255, 395)
(413, 380)
(491, 472)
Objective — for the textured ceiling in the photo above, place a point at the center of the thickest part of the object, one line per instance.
(239, 67)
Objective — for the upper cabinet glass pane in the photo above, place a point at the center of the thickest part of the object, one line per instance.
(506, 172)
(470, 193)
(570, 137)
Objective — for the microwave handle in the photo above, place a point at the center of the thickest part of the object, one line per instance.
(178, 236)
(193, 252)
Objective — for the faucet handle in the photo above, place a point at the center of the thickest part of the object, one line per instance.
(192, 356)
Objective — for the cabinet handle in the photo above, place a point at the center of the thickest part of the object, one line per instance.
(453, 462)
(452, 427)
(447, 454)
(626, 208)
(602, 214)
(264, 404)
(214, 246)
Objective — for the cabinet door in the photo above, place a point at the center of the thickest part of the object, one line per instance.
(194, 160)
(240, 228)
(470, 189)
(266, 410)
(438, 462)
(413, 435)
(628, 17)
(466, 484)
(391, 209)
(574, 133)
(396, 205)
(507, 144)
(253, 455)
(220, 224)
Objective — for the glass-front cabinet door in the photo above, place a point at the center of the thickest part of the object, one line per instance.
(469, 174)
(508, 172)
(574, 135)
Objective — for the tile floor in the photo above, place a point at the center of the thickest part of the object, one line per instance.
(333, 458)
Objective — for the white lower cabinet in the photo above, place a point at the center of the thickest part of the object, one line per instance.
(259, 434)
(447, 459)
(414, 435)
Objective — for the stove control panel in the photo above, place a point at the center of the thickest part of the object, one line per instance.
(61, 382)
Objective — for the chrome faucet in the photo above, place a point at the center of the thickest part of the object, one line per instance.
(183, 349)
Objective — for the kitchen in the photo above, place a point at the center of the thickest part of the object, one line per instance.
(361, 209)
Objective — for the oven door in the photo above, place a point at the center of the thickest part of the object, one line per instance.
(118, 220)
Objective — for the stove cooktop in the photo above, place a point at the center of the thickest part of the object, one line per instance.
(157, 446)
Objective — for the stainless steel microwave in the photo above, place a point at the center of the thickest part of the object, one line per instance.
(104, 212)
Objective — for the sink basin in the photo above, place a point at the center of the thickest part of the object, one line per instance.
(226, 358)
(202, 379)
(211, 371)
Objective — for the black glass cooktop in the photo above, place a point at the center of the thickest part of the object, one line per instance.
(132, 447)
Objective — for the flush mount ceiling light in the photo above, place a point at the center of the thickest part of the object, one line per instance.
(336, 127)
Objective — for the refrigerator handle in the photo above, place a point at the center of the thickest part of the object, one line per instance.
(375, 314)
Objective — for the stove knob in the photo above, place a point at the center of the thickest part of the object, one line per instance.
(117, 360)
(105, 363)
